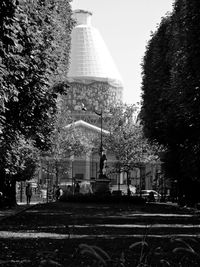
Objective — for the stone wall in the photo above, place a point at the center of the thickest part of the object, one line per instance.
(95, 95)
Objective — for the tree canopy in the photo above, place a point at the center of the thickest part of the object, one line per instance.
(127, 139)
(171, 110)
(34, 57)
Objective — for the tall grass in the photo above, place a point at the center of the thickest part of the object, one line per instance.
(181, 253)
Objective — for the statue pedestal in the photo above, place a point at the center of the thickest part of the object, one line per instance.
(102, 185)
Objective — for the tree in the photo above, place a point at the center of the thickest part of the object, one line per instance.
(127, 140)
(156, 105)
(29, 51)
(66, 142)
(178, 122)
(11, 61)
(185, 85)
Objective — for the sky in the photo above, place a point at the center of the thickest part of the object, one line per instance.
(126, 26)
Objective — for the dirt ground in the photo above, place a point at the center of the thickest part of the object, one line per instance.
(81, 234)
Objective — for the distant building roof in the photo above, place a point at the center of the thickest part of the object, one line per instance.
(81, 123)
(90, 58)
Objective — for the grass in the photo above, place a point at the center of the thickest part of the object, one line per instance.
(181, 254)
(175, 252)
(100, 252)
(107, 198)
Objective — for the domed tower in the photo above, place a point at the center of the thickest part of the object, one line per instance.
(93, 77)
(95, 82)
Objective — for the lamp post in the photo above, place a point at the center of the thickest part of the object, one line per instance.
(102, 183)
(102, 159)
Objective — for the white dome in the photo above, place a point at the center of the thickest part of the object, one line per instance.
(90, 59)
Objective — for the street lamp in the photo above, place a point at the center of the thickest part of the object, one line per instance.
(102, 183)
(102, 156)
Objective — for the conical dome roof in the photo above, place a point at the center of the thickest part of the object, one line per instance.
(90, 58)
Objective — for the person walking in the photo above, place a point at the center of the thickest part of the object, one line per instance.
(28, 193)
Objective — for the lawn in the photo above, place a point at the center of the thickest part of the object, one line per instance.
(119, 234)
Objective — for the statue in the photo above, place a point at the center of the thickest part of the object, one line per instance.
(102, 166)
(102, 184)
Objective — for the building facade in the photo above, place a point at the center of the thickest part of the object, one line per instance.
(95, 84)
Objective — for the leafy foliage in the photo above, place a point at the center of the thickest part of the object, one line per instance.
(156, 76)
(127, 139)
(171, 109)
(35, 35)
(69, 141)
(144, 255)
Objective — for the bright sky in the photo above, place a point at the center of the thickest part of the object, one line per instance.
(125, 26)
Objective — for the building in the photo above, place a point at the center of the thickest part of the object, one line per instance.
(95, 84)
(93, 77)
